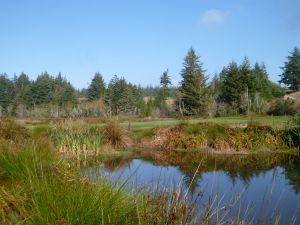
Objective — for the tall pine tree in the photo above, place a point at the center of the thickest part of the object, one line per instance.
(6, 93)
(193, 88)
(96, 89)
(291, 70)
(165, 82)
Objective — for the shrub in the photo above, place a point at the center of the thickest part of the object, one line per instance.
(294, 121)
(218, 137)
(114, 135)
(281, 107)
(13, 132)
(291, 135)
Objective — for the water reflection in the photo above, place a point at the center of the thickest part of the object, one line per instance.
(265, 182)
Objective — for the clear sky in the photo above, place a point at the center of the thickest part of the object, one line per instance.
(139, 39)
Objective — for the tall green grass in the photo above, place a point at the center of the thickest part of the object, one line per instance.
(76, 138)
(83, 139)
(291, 134)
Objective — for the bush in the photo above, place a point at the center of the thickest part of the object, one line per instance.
(226, 110)
(280, 108)
(13, 132)
(114, 135)
(292, 134)
(294, 122)
(218, 137)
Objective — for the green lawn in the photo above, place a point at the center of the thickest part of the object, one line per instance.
(271, 120)
(275, 121)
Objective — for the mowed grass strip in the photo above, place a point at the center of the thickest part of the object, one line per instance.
(277, 121)
(274, 121)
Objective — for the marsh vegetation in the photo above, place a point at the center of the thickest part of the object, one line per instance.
(41, 185)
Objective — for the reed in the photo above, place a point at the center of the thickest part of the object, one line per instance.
(76, 138)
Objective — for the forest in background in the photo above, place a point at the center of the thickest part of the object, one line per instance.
(243, 88)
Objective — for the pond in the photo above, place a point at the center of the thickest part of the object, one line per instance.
(260, 187)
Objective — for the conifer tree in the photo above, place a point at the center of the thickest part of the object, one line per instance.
(165, 82)
(97, 88)
(230, 84)
(6, 93)
(42, 89)
(291, 70)
(22, 87)
(193, 88)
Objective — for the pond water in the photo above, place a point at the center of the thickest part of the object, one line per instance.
(261, 187)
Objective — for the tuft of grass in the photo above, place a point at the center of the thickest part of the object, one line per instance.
(9, 130)
(18, 164)
(58, 201)
(115, 135)
(12, 206)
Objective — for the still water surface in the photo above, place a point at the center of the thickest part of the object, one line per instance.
(260, 185)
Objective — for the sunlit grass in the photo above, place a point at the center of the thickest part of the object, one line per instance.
(38, 187)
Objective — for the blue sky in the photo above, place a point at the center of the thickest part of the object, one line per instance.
(139, 39)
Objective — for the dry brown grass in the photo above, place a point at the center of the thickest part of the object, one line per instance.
(218, 137)
(116, 136)
(9, 130)
(11, 207)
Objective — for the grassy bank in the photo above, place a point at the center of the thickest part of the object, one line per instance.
(220, 138)
(274, 121)
(38, 187)
(78, 139)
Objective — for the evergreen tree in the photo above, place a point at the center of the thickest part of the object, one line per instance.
(244, 88)
(150, 91)
(291, 70)
(163, 93)
(165, 82)
(193, 88)
(63, 93)
(96, 89)
(22, 86)
(246, 85)
(230, 86)
(123, 98)
(6, 93)
(261, 82)
(42, 89)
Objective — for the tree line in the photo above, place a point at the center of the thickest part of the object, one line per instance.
(238, 89)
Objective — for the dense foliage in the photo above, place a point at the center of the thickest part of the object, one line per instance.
(21, 96)
(291, 70)
(244, 89)
(96, 89)
(238, 89)
(193, 94)
(123, 98)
